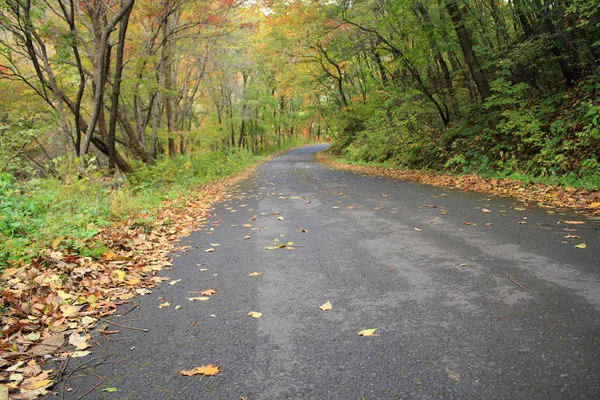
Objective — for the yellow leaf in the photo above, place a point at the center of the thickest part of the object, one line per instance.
(60, 239)
(581, 246)
(485, 210)
(595, 204)
(280, 218)
(367, 332)
(36, 384)
(215, 244)
(174, 282)
(68, 311)
(79, 341)
(574, 222)
(78, 354)
(571, 237)
(208, 292)
(121, 275)
(453, 374)
(110, 256)
(325, 307)
(163, 305)
(133, 281)
(255, 314)
(255, 274)
(209, 250)
(208, 370)
(198, 298)
(247, 225)
(247, 237)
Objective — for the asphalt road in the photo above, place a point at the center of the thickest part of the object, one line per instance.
(468, 304)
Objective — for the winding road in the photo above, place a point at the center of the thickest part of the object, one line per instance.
(471, 296)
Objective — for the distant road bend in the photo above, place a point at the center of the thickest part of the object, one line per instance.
(471, 296)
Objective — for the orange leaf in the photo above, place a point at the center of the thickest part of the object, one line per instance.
(208, 370)
(208, 292)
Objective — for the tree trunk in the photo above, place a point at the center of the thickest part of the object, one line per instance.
(467, 47)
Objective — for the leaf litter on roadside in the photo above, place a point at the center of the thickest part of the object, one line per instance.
(58, 291)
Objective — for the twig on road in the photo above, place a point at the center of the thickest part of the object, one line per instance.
(92, 389)
(125, 326)
(191, 326)
(515, 282)
(395, 268)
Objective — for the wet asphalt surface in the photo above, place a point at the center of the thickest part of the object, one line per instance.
(468, 304)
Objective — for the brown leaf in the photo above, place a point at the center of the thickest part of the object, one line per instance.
(208, 292)
(208, 370)
(49, 345)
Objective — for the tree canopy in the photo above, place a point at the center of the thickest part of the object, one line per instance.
(448, 84)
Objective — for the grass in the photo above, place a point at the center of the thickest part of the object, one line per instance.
(67, 212)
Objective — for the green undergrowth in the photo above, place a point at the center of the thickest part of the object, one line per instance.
(518, 134)
(67, 211)
(567, 181)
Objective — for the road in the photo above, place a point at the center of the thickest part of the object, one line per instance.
(472, 297)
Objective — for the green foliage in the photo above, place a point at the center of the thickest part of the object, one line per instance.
(73, 207)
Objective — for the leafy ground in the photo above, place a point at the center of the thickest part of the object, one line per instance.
(579, 200)
(51, 299)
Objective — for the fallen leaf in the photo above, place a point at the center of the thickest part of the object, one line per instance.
(255, 314)
(279, 218)
(208, 370)
(178, 307)
(255, 274)
(326, 307)
(469, 223)
(79, 341)
(276, 213)
(453, 374)
(574, 222)
(110, 256)
(485, 210)
(49, 345)
(209, 250)
(572, 237)
(418, 229)
(247, 237)
(464, 265)
(247, 225)
(109, 390)
(174, 282)
(367, 332)
(208, 292)
(303, 230)
(198, 298)
(163, 305)
(78, 354)
(215, 244)
(581, 246)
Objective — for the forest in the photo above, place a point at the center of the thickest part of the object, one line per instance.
(129, 102)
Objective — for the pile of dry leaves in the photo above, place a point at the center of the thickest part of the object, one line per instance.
(49, 305)
(580, 200)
